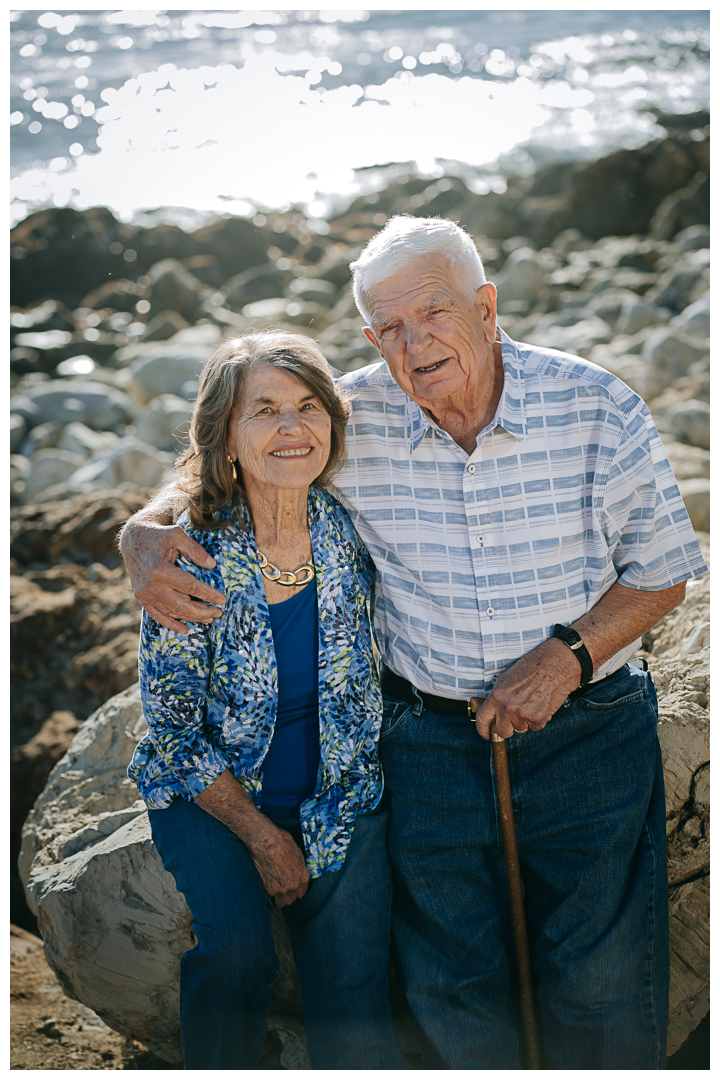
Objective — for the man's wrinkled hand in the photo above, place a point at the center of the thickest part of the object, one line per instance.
(168, 593)
(529, 693)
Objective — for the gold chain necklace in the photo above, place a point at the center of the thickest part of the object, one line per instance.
(285, 577)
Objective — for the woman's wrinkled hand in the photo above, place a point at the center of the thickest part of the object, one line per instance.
(168, 593)
(281, 866)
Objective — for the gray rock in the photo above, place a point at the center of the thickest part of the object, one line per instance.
(323, 292)
(609, 303)
(696, 496)
(165, 369)
(82, 440)
(277, 310)
(690, 422)
(128, 461)
(19, 467)
(637, 314)
(693, 238)
(521, 278)
(579, 338)
(47, 468)
(695, 319)
(18, 427)
(98, 405)
(258, 283)
(42, 437)
(174, 288)
(668, 354)
(679, 287)
(164, 421)
(207, 334)
(164, 325)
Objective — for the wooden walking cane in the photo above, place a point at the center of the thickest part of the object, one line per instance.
(517, 908)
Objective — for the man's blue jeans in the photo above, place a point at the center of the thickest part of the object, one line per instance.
(340, 936)
(590, 818)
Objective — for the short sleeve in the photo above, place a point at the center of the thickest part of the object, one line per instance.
(644, 519)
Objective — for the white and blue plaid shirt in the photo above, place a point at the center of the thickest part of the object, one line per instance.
(477, 557)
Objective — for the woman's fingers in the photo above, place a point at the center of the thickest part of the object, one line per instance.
(282, 868)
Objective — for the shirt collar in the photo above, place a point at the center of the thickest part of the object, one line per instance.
(510, 413)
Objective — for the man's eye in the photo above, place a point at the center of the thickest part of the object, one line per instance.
(308, 405)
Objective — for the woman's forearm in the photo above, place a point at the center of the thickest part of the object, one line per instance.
(277, 858)
(227, 800)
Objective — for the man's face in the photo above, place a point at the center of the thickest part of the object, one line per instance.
(432, 331)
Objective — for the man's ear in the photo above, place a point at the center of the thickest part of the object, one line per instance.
(486, 300)
(371, 338)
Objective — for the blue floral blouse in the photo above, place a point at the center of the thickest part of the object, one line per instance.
(210, 698)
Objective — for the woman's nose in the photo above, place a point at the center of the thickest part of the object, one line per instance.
(290, 420)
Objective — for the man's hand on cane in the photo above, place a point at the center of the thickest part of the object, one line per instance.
(528, 694)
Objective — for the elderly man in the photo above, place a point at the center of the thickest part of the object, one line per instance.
(506, 494)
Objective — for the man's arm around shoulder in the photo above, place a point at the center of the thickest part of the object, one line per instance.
(150, 544)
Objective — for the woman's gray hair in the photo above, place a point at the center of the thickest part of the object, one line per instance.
(405, 238)
(204, 472)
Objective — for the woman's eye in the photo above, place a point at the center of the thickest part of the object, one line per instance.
(308, 406)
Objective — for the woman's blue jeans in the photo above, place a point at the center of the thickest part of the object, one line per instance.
(340, 936)
(590, 818)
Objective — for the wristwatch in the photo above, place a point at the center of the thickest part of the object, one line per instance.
(573, 640)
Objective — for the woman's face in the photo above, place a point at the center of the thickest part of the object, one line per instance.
(279, 433)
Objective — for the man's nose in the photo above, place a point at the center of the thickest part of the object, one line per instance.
(417, 337)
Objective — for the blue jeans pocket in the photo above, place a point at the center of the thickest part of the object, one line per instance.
(617, 692)
(395, 713)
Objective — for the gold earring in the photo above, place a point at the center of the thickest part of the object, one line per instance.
(234, 470)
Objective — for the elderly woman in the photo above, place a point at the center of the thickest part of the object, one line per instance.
(260, 765)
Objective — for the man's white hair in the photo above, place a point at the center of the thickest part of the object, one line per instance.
(405, 238)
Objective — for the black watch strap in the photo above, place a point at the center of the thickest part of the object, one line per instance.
(573, 640)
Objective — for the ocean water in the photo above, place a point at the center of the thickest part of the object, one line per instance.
(178, 115)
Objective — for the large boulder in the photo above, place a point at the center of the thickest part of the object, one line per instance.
(88, 859)
(113, 923)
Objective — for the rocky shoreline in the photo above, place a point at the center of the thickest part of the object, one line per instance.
(111, 324)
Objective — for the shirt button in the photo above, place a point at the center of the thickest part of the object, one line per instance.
(471, 468)
(480, 539)
(490, 612)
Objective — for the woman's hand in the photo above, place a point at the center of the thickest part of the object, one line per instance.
(280, 864)
(277, 858)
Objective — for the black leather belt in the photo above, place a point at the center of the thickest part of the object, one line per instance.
(398, 687)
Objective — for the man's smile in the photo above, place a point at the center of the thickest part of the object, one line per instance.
(431, 367)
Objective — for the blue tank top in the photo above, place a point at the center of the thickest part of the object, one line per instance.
(291, 763)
